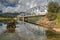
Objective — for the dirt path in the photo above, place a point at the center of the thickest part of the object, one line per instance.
(57, 29)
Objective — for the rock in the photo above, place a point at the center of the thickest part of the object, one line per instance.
(57, 30)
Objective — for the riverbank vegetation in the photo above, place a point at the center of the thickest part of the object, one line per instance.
(54, 13)
(53, 10)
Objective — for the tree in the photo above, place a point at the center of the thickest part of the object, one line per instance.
(53, 9)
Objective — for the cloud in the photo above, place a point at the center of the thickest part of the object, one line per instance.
(8, 9)
(2, 7)
(24, 5)
(9, 2)
(20, 5)
(12, 1)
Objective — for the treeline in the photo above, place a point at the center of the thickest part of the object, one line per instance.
(8, 15)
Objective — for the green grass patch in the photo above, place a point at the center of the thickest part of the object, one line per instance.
(52, 36)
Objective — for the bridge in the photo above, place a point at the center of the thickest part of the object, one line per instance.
(32, 12)
(37, 10)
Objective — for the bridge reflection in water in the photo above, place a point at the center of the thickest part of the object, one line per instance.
(30, 18)
(25, 31)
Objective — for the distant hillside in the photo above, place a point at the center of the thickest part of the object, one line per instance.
(13, 14)
(9, 14)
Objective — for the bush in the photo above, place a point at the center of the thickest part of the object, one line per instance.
(52, 17)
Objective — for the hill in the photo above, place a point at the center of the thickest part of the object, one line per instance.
(8, 15)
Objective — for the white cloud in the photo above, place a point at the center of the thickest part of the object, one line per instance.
(1, 6)
(8, 9)
(22, 5)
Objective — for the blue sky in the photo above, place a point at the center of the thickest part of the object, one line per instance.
(20, 5)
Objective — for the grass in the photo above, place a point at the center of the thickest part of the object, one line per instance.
(4, 20)
(58, 20)
(52, 36)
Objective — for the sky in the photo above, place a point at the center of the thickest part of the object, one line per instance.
(21, 5)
